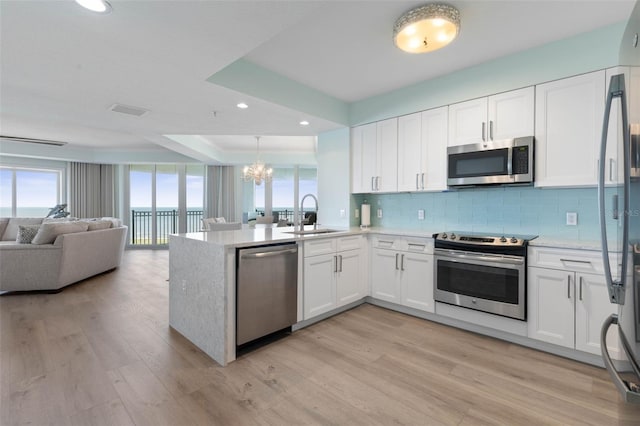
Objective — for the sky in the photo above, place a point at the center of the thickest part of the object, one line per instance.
(33, 189)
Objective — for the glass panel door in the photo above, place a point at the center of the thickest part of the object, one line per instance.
(166, 202)
(195, 197)
(140, 199)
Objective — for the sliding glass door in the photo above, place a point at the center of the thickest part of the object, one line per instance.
(164, 199)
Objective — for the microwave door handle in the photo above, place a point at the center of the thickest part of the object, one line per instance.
(616, 288)
(510, 161)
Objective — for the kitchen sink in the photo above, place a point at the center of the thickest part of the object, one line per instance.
(312, 231)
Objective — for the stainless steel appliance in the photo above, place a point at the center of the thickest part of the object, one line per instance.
(506, 161)
(485, 273)
(266, 290)
(623, 282)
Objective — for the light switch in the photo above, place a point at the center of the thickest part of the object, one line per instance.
(379, 213)
(343, 213)
(357, 213)
(420, 214)
(572, 218)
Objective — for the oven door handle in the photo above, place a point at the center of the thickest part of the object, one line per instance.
(456, 256)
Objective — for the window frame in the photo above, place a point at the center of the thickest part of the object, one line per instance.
(60, 181)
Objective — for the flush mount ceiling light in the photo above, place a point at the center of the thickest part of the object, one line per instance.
(304, 123)
(99, 6)
(426, 28)
(257, 171)
(242, 105)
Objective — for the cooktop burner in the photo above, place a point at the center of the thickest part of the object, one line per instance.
(483, 239)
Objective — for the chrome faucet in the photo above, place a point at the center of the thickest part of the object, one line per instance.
(315, 223)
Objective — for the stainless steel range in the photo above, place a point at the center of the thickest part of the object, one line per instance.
(482, 272)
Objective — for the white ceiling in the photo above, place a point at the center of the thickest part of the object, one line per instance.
(62, 67)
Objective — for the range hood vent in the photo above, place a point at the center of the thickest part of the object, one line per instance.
(29, 140)
(130, 110)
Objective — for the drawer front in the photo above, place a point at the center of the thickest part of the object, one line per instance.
(589, 261)
(319, 247)
(351, 242)
(419, 245)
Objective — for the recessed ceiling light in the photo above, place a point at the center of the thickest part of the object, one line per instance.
(304, 123)
(99, 6)
(242, 105)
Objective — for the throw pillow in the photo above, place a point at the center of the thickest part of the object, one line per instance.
(95, 225)
(221, 220)
(26, 233)
(48, 232)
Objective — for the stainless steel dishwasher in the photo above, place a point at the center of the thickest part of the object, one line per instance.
(266, 290)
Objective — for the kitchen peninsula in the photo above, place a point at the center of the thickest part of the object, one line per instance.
(202, 277)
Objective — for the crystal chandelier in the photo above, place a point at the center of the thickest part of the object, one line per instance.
(257, 171)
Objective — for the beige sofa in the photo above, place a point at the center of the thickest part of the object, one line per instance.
(70, 258)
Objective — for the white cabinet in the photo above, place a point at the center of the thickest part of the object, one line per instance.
(501, 116)
(333, 273)
(402, 271)
(374, 154)
(568, 125)
(422, 151)
(567, 306)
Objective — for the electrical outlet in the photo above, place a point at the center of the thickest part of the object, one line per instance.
(343, 213)
(420, 214)
(379, 213)
(357, 213)
(572, 218)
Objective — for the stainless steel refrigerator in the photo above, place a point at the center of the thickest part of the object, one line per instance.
(620, 211)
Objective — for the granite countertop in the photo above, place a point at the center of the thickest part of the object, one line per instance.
(568, 244)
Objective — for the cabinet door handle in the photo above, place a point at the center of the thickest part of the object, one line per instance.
(568, 286)
(580, 288)
(373, 188)
(340, 263)
(396, 261)
(335, 264)
(484, 126)
(417, 174)
(377, 183)
(491, 129)
(423, 181)
(402, 262)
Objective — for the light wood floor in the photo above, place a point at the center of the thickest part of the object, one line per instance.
(101, 352)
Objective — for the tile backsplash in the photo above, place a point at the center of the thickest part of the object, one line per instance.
(502, 210)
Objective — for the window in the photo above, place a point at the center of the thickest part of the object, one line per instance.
(278, 196)
(195, 197)
(27, 192)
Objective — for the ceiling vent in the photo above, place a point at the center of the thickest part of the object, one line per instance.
(130, 110)
(29, 140)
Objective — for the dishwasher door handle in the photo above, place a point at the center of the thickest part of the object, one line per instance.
(268, 253)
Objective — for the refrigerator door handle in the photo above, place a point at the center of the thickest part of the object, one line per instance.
(616, 288)
(629, 395)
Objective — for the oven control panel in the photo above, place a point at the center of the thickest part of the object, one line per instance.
(483, 240)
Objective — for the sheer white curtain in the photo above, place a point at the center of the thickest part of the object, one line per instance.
(221, 192)
(91, 190)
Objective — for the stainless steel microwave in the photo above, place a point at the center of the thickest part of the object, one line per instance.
(492, 162)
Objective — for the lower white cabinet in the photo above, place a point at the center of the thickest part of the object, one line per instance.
(333, 274)
(402, 272)
(567, 307)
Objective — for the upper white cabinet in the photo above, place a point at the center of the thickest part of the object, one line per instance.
(569, 116)
(502, 116)
(374, 154)
(422, 153)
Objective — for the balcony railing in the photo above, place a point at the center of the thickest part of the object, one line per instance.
(166, 223)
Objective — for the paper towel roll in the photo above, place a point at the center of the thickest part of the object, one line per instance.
(365, 215)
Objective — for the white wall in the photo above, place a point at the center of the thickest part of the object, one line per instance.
(333, 177)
